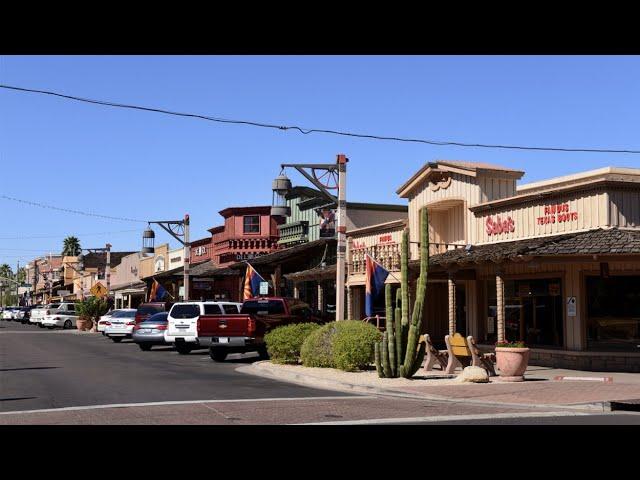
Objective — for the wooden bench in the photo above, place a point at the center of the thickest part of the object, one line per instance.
(433, 355)
(463, 352)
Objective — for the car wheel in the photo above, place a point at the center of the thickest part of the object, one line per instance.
(116, 339)
(183, 349)
(262, 352)
(40, 325)
(145, 347)
(218, 354)
(67, 324)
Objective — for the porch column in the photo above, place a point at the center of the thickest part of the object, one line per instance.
(500, 302)
(296, 291)
(452, 305)
(320, 297)
(349, 303)
(129, 298)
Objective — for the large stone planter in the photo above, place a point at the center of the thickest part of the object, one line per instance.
(512, 363)
(83, 324)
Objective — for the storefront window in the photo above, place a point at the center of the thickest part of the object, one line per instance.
(613, 313)
(533, 311)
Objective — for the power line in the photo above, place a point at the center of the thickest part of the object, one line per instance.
(61, 235)
(305, 131)
(68, 210)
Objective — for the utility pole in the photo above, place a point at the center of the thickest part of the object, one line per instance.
(328, 177)
(107, 270)
(18, 284)
(50, 277)
(187, 257)
(341, 228)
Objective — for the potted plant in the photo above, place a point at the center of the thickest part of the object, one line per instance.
(89, 311)
(512, 359)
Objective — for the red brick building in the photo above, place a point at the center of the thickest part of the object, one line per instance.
(247, 233)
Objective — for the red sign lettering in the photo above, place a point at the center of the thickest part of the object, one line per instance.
(497, 226)
(385, 239)
(557, 213)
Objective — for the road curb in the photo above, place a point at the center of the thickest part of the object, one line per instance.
(261, 369)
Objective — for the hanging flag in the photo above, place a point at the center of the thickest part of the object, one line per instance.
(376, 274)
(157, 293)
(252, 281)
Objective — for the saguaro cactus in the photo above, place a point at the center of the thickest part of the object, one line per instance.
(401, 353)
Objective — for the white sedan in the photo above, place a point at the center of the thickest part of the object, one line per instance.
(121, 324)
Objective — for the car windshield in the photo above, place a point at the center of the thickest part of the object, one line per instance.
(149, 309)
(53, 305)
(262, 307)
(124, 314)
(157, 318)
(185, 311)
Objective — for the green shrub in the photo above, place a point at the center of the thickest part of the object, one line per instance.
(347, 345)
(316, 349)
(354, 344)
(284, 343)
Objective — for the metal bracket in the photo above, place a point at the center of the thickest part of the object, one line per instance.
(331, 167)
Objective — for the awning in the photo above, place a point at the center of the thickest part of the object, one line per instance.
(313, 274)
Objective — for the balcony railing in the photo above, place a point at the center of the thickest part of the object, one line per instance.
(389, 255)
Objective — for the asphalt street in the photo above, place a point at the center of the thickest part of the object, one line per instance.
(68, 377)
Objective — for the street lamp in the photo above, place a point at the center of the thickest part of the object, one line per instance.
(178, 229)
(280, 187)
(326, 177)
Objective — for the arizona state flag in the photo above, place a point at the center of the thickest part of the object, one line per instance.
(252, 281)
(376, 274)
(157, 293)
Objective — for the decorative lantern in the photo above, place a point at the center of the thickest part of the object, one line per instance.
(280, 186)
(148, 241)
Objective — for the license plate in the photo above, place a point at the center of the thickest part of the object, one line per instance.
(223, 339)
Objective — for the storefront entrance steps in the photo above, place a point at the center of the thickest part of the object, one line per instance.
(539, 390)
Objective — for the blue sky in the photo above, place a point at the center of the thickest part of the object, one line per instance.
(151, 166)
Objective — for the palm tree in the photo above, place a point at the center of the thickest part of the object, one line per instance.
(6, 272)
(71, 247)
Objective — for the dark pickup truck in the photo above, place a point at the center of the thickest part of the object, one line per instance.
(244, 332)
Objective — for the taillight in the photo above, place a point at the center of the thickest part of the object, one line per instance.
(131, 323)
(251, 326)
(161, 327)
(107, 323)
(137, 327)
(198, 325)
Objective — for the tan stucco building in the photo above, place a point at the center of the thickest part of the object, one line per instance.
(555, 263)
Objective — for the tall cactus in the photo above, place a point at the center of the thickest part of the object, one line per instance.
(401, 352)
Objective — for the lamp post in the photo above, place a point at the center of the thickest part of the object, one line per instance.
(326, 177)
(178, 229)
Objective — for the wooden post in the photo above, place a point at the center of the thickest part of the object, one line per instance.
(296, 291)
(349, 303)
(452, 305)
(320, 298)
(500, 301)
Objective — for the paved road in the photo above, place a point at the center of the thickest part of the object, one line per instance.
(78, 378)
(41, 369)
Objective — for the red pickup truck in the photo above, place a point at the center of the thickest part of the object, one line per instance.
(244, 332)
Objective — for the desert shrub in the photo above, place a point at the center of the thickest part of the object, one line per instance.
(354, 345)
(316, 349)
(284, 343)
(347, 345)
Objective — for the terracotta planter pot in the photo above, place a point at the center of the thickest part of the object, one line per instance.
(512, 362)
(83, 324)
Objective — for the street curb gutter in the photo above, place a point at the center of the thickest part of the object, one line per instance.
(258, 369)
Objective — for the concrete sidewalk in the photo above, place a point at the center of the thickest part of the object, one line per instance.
(539, 390)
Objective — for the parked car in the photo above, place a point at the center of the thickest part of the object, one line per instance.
(8, 313)
(104, 319)
(182, 328)
(38, 314)
(245, 331)
(151, 332)
(23, 314)
(145, 310)
(65, 316)
(121, 324)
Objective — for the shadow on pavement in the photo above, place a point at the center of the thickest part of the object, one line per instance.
(25, 368)
(16, 398)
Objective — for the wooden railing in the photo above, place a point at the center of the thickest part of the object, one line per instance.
(389, 255)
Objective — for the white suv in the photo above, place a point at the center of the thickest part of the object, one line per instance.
(182, 326)
(65, 316)
(38, 314)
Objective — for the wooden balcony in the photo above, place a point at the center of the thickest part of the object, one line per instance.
(388, 255)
